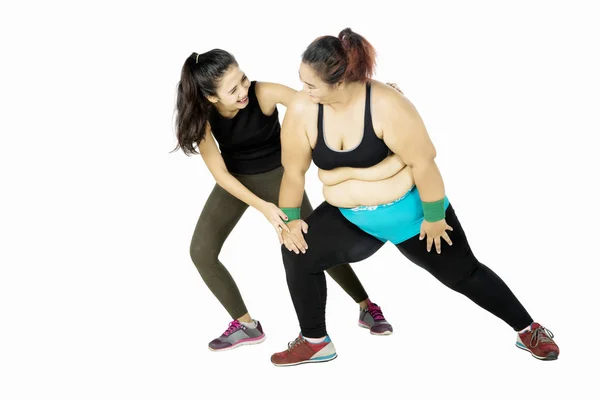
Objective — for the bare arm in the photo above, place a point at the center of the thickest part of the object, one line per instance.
(296, 156)
(214, 161)
(405, 134)
(390, 166)
(271, 94)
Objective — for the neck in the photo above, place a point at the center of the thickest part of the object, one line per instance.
(347, 95)
(225, 112)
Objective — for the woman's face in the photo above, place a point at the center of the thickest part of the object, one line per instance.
(319, 91)
(232, 92)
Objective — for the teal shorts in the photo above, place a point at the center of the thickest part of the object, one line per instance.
(396, 221)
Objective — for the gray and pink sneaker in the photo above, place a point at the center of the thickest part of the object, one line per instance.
(372, 318)
(238, 335)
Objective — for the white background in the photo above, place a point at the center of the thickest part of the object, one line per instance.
(99, 298)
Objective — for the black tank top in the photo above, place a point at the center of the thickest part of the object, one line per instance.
(250, 142)
(370, 151)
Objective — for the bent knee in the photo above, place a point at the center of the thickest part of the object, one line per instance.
(295, 262)
(289, 257)
(203, 257)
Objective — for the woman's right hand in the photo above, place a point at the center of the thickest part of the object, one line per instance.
(276, 217)
(294, 239)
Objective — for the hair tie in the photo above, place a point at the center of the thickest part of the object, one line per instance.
(197, 55)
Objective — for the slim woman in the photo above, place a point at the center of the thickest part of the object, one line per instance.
(218, 104)
(348, 124)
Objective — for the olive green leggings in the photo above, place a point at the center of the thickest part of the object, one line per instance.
(220, 215)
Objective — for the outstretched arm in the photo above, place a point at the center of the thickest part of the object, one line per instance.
(271, 94)
(214, 161)
(405, 134)
(296, 156)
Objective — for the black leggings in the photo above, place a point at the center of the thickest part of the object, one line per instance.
(333, 240)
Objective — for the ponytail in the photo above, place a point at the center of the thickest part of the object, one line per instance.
(193, 111)
(360, 55)
(348, 57)
(200, 77)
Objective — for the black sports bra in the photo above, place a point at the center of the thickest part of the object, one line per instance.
(370, 151)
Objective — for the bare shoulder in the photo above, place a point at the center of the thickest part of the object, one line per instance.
(302, 105)
(392, 112)
(302, 110)
(386, 100)
(301, 117)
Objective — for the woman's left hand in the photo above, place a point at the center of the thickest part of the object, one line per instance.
(434, 231)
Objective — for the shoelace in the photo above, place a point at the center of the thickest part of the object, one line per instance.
(375, 311)
(540, 334)
(295, 343)
(233, 326)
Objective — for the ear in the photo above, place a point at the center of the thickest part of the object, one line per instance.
(340, 85)
(212, 99)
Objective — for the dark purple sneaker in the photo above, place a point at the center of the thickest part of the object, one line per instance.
(237, 335)
(372, 318)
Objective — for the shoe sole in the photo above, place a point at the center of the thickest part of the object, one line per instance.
(331, 358)
(386, 333)
(240, 344)
(550, 357)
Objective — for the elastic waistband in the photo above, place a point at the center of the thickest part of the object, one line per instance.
(375, 207)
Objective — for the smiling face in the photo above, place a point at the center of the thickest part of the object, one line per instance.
(232, 92)
(319, 91)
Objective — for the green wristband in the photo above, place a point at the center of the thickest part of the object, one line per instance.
(292, 213)
(434, 211)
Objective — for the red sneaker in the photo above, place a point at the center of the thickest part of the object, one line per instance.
(538, 341)
(301, 351)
